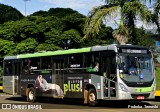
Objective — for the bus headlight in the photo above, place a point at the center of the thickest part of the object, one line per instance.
(123, 88)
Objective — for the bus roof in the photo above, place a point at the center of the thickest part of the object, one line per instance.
(72, 51)
(58, 52)
(131, 46)
(10, 57)
(108, 47)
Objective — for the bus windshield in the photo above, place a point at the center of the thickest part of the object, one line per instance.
(134, 68)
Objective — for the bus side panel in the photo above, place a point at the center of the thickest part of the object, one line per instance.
(44, 88)
(8, 85)
(25, 81)
(97, 81)
(74, 85)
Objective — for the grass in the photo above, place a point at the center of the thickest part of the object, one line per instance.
(158, 77)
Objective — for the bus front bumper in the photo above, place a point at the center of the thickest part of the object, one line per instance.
(138, 96)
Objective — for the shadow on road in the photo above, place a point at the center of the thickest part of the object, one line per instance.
(17, 99)
(122, 104)
(79, 102)
(157, 98)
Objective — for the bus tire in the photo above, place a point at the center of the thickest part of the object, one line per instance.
(31, 95)
(92, 97)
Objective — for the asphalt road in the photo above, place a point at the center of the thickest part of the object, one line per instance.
(20, 104)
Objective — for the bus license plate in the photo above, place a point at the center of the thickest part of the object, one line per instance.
(140, 97)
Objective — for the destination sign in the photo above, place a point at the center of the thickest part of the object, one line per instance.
(133, 51)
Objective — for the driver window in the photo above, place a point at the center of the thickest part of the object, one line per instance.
(124, 65)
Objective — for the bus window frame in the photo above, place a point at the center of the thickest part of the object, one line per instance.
(28, 67)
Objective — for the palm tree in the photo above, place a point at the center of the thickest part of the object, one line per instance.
(129, 10)
(155, 15)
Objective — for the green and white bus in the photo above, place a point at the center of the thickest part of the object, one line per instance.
(93, 73)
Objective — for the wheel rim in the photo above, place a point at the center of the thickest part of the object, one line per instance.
(92, 97)
(31, 95)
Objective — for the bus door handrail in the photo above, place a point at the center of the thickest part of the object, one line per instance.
(109, 80)
(72, 69)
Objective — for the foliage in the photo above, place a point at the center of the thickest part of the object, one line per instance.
(155, 15)
(143, 38)
(121, 34)
(46, 47)
(9, 13)
(58, 12)
(26, 45)
(6, 47)
(105, 37)
(129, 10)
(158, 78)
(61, 28)
(135, 8)
(39, 13)
(1, 71)
(95, 20)
(48, 32)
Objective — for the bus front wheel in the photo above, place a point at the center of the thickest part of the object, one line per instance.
(92, 97)
(31, 95)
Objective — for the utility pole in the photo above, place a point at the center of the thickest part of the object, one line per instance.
(25, 7)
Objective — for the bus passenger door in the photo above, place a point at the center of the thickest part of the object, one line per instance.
(58, 72)
(8, 86)
(16, 77)
(109, 82)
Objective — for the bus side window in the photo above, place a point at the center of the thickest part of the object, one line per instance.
(34, 65)
(75, 63)
(8, 67)
(88, 62)
(46, 65)
(25, 68)
(92, 62)
(31, 66)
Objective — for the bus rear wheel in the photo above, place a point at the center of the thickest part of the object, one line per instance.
(92, 97)
(31, 95)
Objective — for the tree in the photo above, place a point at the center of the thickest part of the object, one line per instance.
(155, 15)
(121, 34)
(27, 45)
(47, 47)
(58, 12)
(105, 37)
(40, 13)
(47, 33)
(144, 38)
(9, 13)
(6, 47)
(70, 39)
(129, 10)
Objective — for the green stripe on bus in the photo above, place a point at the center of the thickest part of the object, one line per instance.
(58, 52)
(145, 89)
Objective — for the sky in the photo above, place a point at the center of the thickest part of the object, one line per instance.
(82, 6)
